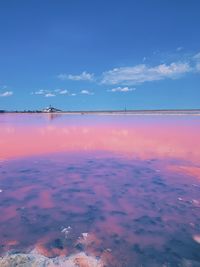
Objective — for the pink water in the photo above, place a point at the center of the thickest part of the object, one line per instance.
(132, 183)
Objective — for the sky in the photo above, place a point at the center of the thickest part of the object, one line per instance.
(99, 55)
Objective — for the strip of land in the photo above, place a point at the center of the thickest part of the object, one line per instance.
(116, 112)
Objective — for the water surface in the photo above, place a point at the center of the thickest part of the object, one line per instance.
(122, 188)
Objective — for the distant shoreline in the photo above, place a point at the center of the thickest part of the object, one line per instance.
(115, 112)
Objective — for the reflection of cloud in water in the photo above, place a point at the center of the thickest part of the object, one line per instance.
(174, 138)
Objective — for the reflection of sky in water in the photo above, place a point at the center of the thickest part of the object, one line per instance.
(132, 183)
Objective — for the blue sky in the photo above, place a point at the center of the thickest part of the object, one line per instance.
(91, 55)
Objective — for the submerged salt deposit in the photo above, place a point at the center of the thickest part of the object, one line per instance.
(35, 259)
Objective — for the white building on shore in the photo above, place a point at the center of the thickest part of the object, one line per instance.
(51, 109)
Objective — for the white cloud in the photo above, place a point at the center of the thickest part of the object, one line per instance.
(137, 74)
(198, 67)
(143, 73)
(84, 76)
(196, 58)
(57, 92)
(7, 93)
(39, 92)
(180, 48)
(63, 92)
(122, 89)
(63, 76)
(86, 92)
(49, 95)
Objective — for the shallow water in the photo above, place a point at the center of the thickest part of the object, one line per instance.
(125, 189)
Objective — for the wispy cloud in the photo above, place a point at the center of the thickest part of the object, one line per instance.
(198, 67)
(123, 79)
(180, 48)
(142, 73)
(122, 89)
(49, 95)
(197, 61)
(86, 92)
(5, 94)
(137, 74)
(39, 92)
(63, 92)
(57, 92)
(3, 87)
(197, 56)
(84, 76)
